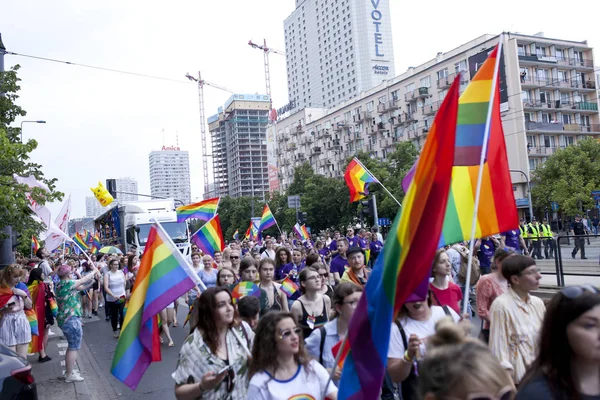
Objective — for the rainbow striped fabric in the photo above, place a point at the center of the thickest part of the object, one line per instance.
(288, 287)
(236, 234)
(267, 220)
(87, 237)
(251, 232)
(96, 243)
(209, 238)
(203, 210)
(163, 276)
(80, 242)
(406, 258)
(479, 106)
(357, 178)
(301, 231)
(37, 293)
(35, 245)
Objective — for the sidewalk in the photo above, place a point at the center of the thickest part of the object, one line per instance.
(49, 376)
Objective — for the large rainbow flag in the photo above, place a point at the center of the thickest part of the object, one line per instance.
(163, 276)
(406, 258)
(80, 242)
(267, 220)
(209, 238)
(203, 210)
(357, 178)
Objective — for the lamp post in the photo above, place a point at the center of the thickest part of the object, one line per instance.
(33, 122)
(528, 191)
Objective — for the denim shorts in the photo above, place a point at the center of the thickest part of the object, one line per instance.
(73, 331)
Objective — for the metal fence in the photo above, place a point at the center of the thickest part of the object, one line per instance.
(573, 256)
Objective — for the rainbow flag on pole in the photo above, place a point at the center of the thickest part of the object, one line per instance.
(35, 245)
(80, 242)
(164, 276)
(96, 243)
(357, 178)
(209, 238)
(203, 210)
(236, 234)
(406, 258)
(267, 220)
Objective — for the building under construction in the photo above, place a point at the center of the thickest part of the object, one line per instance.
(239, 147)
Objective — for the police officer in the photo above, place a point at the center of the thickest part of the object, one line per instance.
(578, 229)
(548, 239)
(535, 248)
(524, 233)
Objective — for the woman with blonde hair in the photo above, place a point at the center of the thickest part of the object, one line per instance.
(459, 367)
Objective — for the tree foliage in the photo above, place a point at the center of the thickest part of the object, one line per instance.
(568, 177)
(15, 159)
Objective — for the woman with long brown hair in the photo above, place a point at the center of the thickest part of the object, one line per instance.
(213, 362)
(280, 366)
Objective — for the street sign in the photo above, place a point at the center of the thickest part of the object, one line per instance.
(596, 194)
(554, 206)
(384, 222)
(294, 201)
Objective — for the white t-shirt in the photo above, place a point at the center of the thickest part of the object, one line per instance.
(46, 270)
(423, 329)
(268, 254)
(303, 385)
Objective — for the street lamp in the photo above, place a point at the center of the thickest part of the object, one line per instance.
(33, 122)
(528, 191)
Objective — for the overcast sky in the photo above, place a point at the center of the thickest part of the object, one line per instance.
(103, 125)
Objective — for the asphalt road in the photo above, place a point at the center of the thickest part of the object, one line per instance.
(157, 382)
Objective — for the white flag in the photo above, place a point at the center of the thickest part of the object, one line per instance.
(54, 239)
(31, 182)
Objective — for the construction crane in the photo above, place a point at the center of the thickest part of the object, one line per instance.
(266, 50)
(205, 154)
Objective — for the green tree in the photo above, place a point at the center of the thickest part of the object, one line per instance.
(301, 174)
(325, 201)
(568, 177)
(400, 161)
(14, 159)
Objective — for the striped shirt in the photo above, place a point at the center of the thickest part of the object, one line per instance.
(514, 331)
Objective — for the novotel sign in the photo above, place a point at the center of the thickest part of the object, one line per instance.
(376, 17)
(170, 148)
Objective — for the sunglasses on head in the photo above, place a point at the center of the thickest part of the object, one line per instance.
(286, 333)
(573, 292)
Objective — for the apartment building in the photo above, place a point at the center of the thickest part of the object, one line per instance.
(336, 49)
(548, 101)
(239, 146)
(170, 174)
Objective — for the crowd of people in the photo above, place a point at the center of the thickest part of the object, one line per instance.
(280, 344)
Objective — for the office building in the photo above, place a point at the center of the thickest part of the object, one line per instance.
(127, 189)
(92, 207)
(170, 174)
(336, 49)
(239, 147)
(547, 93)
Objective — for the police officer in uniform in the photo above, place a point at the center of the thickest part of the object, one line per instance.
(548, 239)
(534, 231)
(578, 229)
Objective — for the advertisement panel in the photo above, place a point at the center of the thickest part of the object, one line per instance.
(272, 158)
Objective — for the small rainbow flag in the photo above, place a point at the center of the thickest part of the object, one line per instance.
(87, 237)
(79, 240)
(357, 178)
(405, 260)
(289, 287)
(35, 245)
(236, 235)
(96, 243)
(209, 238)
(163, 277)
(203, 210)
(251, 232)
(53, 307)
(267, 220)
(301, 231)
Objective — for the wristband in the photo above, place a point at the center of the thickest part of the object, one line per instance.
(407, 358)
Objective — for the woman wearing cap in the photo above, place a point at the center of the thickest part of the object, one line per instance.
(357, 273)
(69, 315)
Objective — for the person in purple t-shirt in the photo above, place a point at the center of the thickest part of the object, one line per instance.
(485, 248)
(352, 240)
(333, 245)
(376, 246)
(514, 240)
(363, 243)
(339, 262)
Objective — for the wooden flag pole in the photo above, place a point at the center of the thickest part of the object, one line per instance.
(377, 180)
(484, 148)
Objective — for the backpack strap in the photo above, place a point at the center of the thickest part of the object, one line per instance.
(245, 334)
(322, 344)
(401, 329)
(447, 311)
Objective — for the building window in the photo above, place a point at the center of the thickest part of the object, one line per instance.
(521, 50)
(409, 88)
(460, 66)
(426, 81)
(443, 73)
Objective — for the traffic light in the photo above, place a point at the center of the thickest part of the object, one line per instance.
(369, 208)
(303, 217)
(111, 186)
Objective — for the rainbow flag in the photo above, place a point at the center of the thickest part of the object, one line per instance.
(267, 220)
(209, 238)
(203, 210)
(87, 237)
(405, 260)
(96, 243)
(357, 178)
(37, 291)
(164, 276)
(236, 234)
(35, 245)
(79, 240)
(305, 234)
(289, 287)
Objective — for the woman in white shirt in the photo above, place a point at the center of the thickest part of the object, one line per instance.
(280, 367)
(114, 286)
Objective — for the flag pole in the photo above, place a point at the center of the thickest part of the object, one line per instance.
(484, 148)
(378, 181)
(335, 363)
(217, 207)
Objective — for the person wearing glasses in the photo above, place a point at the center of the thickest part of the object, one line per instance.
(321, 341)
(234, 257)
(281, 368)
(326, 288)
(568, 361)
(516, 316)
(213, 361)
(460, 367)
(312, 308)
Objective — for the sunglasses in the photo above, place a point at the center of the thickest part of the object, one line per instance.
(234, 257)
(288, 332)
(573, 292)
(325, 275)
(506, 393)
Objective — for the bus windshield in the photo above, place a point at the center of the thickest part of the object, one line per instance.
(177, 232)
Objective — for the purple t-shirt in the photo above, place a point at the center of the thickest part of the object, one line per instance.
(486, 252)
(288, 268)
(511, 239)
(353, 241)
(362, 243)
(376, 246)
(333, 245)
(338, 264)
(279, 275)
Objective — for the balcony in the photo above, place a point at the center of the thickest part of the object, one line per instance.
(407, 118)
(372, 130)
(592, 128)
(419, 93)
(583, 86)
(298, 130)
(339, 126)
(362, 116)
(430, 109)
(586, 106)
(316, 150)
(393, 105)
(382, 108)
(577, 63)
(292, 146)
(300, 157)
